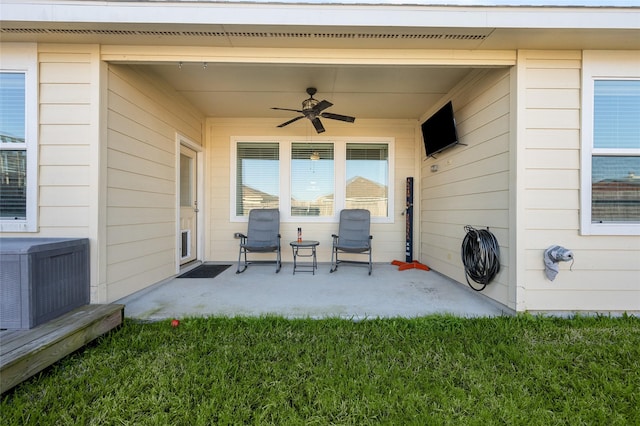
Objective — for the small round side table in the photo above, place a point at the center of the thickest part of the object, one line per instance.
(304, 248)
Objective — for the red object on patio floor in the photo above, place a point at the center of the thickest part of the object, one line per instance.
(403, 266)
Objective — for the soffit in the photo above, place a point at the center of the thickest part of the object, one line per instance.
(246, 36)
(328, 37)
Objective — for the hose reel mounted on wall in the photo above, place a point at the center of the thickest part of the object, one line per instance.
(480, 254)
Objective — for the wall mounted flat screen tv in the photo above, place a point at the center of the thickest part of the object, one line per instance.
(439, 131)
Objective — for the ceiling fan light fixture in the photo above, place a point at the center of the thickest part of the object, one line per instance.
(315, 156)
(309, 104)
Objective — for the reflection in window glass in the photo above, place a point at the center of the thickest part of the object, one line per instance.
(13, 156)
(312, 179)
(257, 176)
(367, 174)
(186, 180)
(615, 195)
(13, 189)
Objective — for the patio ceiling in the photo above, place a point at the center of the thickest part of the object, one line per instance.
(250, 90)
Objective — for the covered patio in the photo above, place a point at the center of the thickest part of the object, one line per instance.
(347, 293)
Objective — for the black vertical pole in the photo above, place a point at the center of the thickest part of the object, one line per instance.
(409, 223)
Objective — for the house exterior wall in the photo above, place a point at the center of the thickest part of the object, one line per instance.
(68, 125)
(143, 116)
(527, 191)
(472, 183)
(388, 238)
(68, 173)
(107, 171)
(606, 273)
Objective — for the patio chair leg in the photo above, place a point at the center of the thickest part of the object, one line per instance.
(334, 263)
(239, 271)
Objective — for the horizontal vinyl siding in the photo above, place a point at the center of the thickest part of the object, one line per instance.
(388, 238)
(605, 275)
(471, 186)
(143, 117)
(66, 129)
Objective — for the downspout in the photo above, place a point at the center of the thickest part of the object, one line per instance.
(517, 151)
(98, 201)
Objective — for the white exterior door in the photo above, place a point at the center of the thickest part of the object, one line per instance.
(187, 245)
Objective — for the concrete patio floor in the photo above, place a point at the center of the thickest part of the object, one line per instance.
(347, 293)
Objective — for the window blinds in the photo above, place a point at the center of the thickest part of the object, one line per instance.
(257, 176)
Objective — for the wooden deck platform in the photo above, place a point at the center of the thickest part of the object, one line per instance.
(24, 353)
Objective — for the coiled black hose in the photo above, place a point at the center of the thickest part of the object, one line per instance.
(481, 256)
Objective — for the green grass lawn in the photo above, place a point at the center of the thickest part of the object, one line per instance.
(432, 370)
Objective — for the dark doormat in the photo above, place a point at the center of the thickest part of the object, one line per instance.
(204, 271)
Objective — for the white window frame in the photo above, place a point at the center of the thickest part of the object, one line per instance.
(339, 144)
(23, 58)
(602, 65)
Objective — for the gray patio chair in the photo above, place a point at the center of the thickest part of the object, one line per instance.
(263, 236)
(353, 237)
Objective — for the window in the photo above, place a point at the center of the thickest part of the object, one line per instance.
(13, 155)
(367, 185)
(312, 181)
(18, 124)
(611, 159)
(257, 176)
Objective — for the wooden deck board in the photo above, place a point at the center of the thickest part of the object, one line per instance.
(24, 353)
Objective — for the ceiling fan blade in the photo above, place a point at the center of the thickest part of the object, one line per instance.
(322, 105)
(287, 109)
(318, 125)
(338, 117)
(291, 121)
